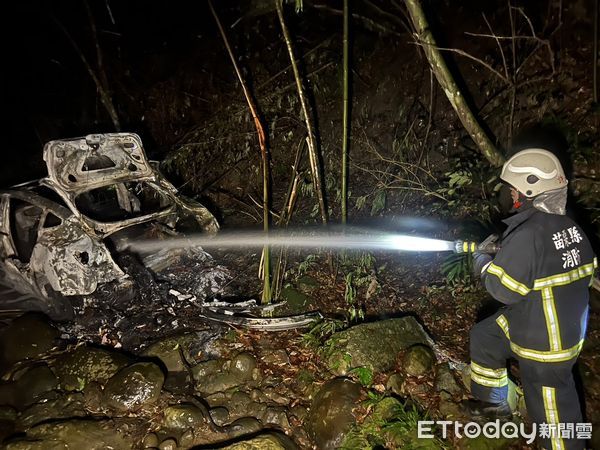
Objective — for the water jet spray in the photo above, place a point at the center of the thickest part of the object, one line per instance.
(326, 240)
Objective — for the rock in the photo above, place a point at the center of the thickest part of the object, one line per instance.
(8, 413)
(150, 440)
(276, 357)
(245, 425)
(296, 301)
(218, 383)
(445, 381)
(299, 412)
(67, 406)
(187, 439)
(73, 434)
(307, 284)
(242, 366)
(27, 337)
(205, 369)
(220, 416)
(30, 386)
(182, 417)
(394, 384)
(238, 404)
(449, 408)
(386, 409)
(213, 376)
(168, 444)
(483, 443)
(184, 348)
(134, 386)
(465, 376)
(374, 345)
(169, 352)
(272, 395)
(276, 415)
(330, 416)
(85, 364)
(418, 360)
(262, 442)
(413, 389)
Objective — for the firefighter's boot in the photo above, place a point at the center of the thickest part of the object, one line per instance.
(480, 410)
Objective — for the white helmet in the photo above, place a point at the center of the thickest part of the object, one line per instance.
(533, 171)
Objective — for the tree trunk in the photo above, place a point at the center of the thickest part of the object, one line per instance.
(313, 152)
(262, 142)
(345, 120)
(426, 40)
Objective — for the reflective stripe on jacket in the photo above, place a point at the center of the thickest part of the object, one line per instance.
(542, 273)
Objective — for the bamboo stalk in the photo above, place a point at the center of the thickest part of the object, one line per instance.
(447, 82)
(262, 142)
(345, 120)
(595, 50)
(313, 152)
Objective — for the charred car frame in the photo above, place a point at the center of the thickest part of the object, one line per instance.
(57, 233)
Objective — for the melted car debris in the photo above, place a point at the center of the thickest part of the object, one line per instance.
(64, 242)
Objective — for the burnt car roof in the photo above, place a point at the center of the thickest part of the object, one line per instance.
(80, 164)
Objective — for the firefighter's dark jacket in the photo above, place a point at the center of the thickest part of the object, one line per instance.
(542, 273)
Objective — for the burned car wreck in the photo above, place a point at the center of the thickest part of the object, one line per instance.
(64, 240)
(59, 235)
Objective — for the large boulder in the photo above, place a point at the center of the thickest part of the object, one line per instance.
(86, 364)
(134, 386)
(374, 345)
(269, 441)
(331, 416)
(68, 406)
(73, 434)
(27, 337)
(218, 376)
(28, 387)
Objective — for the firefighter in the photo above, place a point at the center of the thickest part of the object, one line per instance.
(542, 275)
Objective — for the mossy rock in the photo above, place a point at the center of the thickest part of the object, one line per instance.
(262, 442)
(27, 337)
(134, 386)
(85, 364)
(331, 413)
(183, 417)
(418, 360)
(374, 345)
(307, 284)
(296, 301)
(73, 434)
(30, 386)
(67, 406)
(484, 443)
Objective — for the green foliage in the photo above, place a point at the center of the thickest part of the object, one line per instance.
(457, 181)
(323, 330)
(360, 282)
(470, 190)
(378, 204)
(398, 430)
(457, 268)
(308, 263)
(364, 375)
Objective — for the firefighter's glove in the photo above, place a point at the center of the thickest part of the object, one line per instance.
(480, 260)
(488, 241)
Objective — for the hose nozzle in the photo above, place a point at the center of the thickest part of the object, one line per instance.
(472, 247)
(465, 246)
